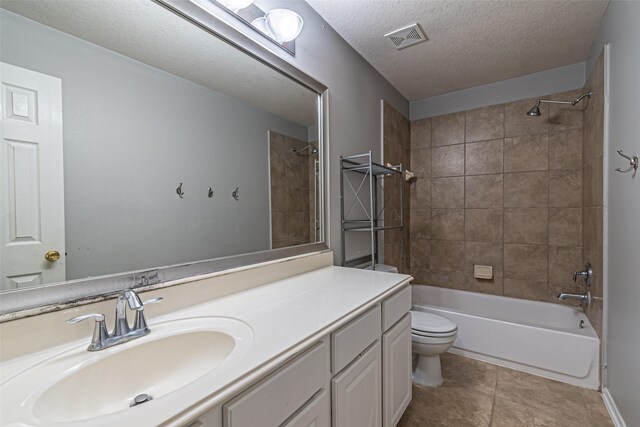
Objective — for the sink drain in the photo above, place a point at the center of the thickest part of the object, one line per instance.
(140, 399)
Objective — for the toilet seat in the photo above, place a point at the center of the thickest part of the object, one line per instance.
(433, 335)
(431, 325)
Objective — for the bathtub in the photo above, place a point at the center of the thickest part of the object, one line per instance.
(536, 337)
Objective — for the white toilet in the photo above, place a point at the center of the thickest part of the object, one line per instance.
(431, 335)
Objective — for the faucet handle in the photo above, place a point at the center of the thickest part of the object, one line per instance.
(98, 317)
(152, 301)
(100, 333)
(140, 322)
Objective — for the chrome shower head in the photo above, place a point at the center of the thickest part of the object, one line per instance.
(535, 111)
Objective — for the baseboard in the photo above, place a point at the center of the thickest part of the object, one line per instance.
(612, 408)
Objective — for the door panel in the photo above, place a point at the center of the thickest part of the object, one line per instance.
(31, 179)
(396, 359)
(357, 392)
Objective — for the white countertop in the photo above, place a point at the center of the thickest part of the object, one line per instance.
(286, 317)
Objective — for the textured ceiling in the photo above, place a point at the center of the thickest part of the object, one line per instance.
(470, 42)
(147, 32)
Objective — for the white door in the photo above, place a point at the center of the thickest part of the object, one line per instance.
(357, 392)
(396, 368)
(31, 179)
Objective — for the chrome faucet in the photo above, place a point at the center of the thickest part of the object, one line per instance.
(586, 298)
(122, 332)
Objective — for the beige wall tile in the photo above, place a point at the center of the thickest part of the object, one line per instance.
(563, 261)
(517, 122)
(421, 133)
(525, 225)
(526, 153)
(485, 286)
(448, 279)
(526, 189)
(447, 255)
(447, 161)
(484, 191)
(484, 157)
(565, 226)
(565, 149)
(526, 262)
(565, 188)
(562, 116)
(421, 276)
(447, 224)
(483, 253)
(421, 163)
(419, 221)
(447, 129)
(483, 225)
(420, 253)
(447, 192)
(484, 123)
(530, 289)
(420, 193)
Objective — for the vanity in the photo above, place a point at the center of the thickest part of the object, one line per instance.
(329, 347)
(194, 171)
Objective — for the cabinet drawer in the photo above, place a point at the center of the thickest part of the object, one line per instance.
(396, 306)
(353, 338)
(316, 413)
(272, 401)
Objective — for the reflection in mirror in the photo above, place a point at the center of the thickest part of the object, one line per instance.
(135, 139)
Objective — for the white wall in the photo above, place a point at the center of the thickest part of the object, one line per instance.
(131, 134)
(529, 86)
(355, 90)
(621, 30)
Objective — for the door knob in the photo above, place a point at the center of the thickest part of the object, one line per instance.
(52, 256)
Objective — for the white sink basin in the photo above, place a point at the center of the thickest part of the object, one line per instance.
(80, 385)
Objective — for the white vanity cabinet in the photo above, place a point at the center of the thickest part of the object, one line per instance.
(358, 376)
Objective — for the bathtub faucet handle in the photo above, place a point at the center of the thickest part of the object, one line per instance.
(586, 274)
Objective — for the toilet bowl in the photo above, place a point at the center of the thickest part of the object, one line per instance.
(431, 335)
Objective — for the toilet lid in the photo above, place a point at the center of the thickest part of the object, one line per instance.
(427, 322)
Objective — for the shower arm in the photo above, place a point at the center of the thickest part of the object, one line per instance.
(574, 102)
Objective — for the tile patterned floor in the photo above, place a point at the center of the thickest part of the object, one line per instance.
(478, 394)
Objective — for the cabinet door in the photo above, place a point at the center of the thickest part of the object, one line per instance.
(356, 392)
(396, 382)
(316, 413)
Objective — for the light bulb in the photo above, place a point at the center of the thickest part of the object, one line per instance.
(261, 24)
(284, 24)
(236, 5)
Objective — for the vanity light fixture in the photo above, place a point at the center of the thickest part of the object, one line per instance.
(236, 5)
(283, 24)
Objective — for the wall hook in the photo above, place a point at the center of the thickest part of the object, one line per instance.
(210, 193)
(633, 163)
(235, 194)
(179, 191)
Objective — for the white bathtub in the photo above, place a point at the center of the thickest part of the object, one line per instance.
(536, 337)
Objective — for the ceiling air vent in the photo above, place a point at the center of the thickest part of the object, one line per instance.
(406, 36)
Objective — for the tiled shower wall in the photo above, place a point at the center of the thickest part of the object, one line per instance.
(290, 183)
(497, 187)
(396, 150)
(592, 188)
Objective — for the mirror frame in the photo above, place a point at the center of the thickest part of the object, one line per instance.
(57, 296)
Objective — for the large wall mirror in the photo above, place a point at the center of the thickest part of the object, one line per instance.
(133, 140)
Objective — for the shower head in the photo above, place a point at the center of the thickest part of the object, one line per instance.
(535, 111)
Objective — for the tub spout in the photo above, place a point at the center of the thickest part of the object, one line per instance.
(586, 298)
